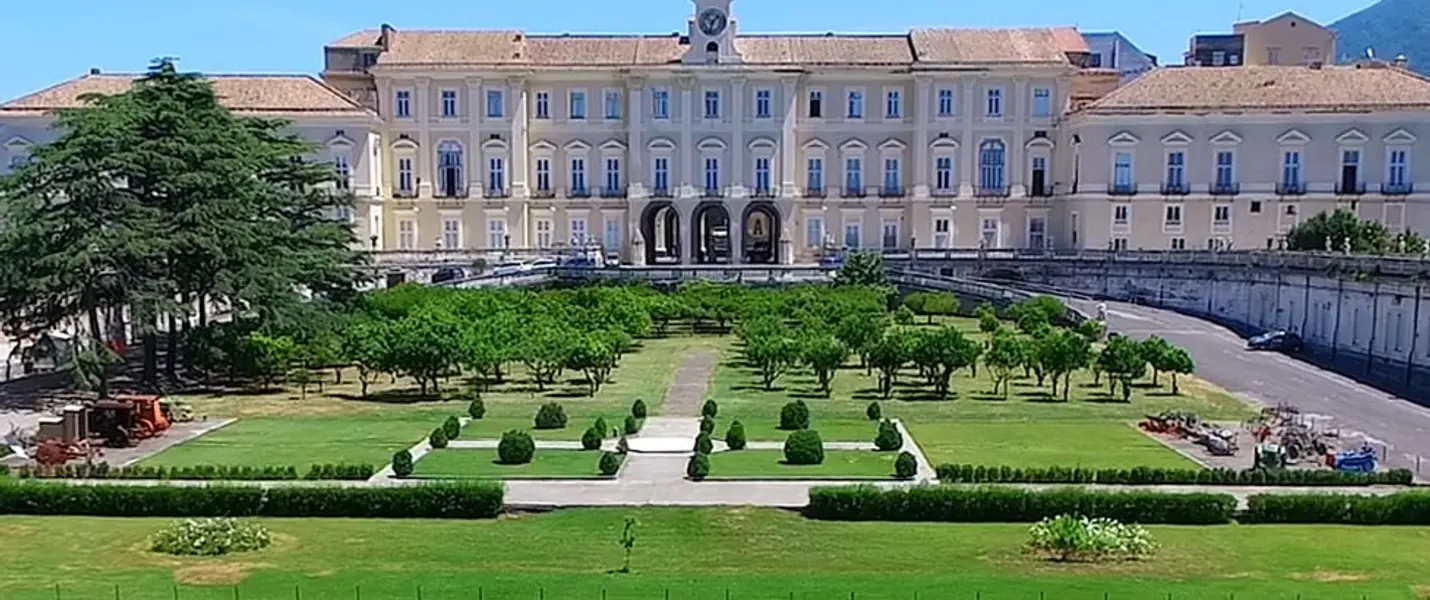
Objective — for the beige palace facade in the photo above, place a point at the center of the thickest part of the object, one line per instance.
(713, 147)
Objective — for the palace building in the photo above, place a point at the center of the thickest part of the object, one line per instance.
(712, 146)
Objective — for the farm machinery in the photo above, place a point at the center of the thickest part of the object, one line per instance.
(80, 430)
(1286, 437)
(1218, 441)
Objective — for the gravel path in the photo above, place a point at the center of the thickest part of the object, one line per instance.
(687, 387)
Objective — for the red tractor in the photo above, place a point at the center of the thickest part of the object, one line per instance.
(125, 420)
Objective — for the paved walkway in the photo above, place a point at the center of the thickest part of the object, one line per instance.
(687, 387)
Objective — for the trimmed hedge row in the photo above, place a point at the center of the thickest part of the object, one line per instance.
(1405, 508)
(466, 500)
(350, 472)
(948, 473)
(993, 504)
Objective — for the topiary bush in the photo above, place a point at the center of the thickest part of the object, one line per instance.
(699, 466)
(794, 416)
(888, 439)
(906, 466)
(211, 537)
(602, 429)
(638, 409)
(993, 504)
(402, 463)
(610, 463)
(590, 440)
(709, 409)
(904, 316)
(707, 425)
(632, 426)
(735, 436)
(477, 409)
(438, 438)
(804, 447)
(703, 445)
(515, 448)
(874, 412)
(551, 416)
(452, 427)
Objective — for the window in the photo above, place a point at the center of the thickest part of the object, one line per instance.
(543, 105)
(1094, 61)
(762, 174)
(942, 232)
(449, 169)
(762, 103)
(712, 104)
(496, 233)
(1119, 214)
(945, 102)
(543, 174)
(613, 105)
(990, 165)
(815, 175)
(578, 231)
(995, 103)
(1218, 58)
(1291, 169)
(543, 233)
(1399, 166)
(1221, 218)
(1225, 168)
(1037, 232)
(660, 103)
(893, 182)
(943, 173)
(989, 233)
(813, 232)
(854, 175)
(612, 238)
(17, 160)
(406, 235)
(1119, 243)
(712, 173)
(496, 104)
(451, 234)
(1176, 170)
(1179, 243)
(1311, 54)
(1350, 170)
(1042, 102)
(578, 175)
(402, 107)
(342, 169)
(577, 101)
(891, 233)
(1273, 56)
(1254, 208)
(660, 175)
(856, 105)
(449, 103)
(1172, 215)
(1122, 171)
(893, 104)
(496, 175)
(816, 104)
(851, 235)
(613, 175)
(404, 175)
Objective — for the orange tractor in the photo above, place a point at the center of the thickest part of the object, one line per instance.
(125, 420)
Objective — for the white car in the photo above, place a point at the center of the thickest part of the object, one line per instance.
(541, 263)
(508, 268)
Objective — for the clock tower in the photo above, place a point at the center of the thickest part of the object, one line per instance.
(712, 34)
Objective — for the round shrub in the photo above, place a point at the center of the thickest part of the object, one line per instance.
(551, 416)
(703, 445)
(699, 466)
(438, 438)
(904, 316)
(515, 448)
(477, 409)
(874, 412)
(1075, 538)
(602, 429)
(794, 416)
(638, 409)
(452, 427)
(590, 440)
(402, 463)
(610, 463)
(632, 426)
(906, 466)
(211, 537)
(889, 439)
(735, 436)
(804, 447)
(709, 409)
(707, 425)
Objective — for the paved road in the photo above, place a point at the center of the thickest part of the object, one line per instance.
(1401, 427)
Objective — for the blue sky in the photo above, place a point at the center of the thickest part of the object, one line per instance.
(64, 38)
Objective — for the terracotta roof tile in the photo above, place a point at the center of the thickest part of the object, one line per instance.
(261, 94)
(1268, 88)
(455, 47)
(359, 39)
(990, 46)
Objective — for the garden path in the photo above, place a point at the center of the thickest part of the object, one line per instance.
(687, 387)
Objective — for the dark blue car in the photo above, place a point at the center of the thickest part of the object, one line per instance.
(1275, 341)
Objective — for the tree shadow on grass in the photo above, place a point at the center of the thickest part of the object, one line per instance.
(755, 387)
(813, 394)
(989, 397)
(923, 396)
(396, 397)
(868, 394)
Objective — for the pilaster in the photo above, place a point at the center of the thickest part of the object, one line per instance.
(422, 101)
(477, 168)
(923, 89)
(789, 115)
(1018, 110)
(968, 149)
(738, 156)
(635, 134)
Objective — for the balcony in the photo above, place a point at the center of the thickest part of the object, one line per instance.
(944, 192)
(496, 193)
(1040, 191)
(579, 192)
(1347, 188)
(852, 192)
(983, 191)
(815, 192)
(404, 193)
(545, 194)
(891, 192)
(1122, 189)
(763, 192)
(712, 192)
(450, 194)
(1289, 188)
(613, 192)
(1176, 188)
(1397, 189)
(661, 192)
(1224, 189)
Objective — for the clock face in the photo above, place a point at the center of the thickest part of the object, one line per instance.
(712, 21)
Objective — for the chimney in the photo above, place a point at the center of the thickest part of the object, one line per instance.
(94, 70)
(1401, 62)
(384, 40)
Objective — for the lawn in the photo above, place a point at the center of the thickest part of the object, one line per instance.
(770, 464)
(338, 424)
(455, 463)
(1065, 444)
(700, 554)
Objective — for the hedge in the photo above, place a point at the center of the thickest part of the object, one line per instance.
(351, 472)
(948, 473)
(995, 504)
(466, 500)
(1405, 508)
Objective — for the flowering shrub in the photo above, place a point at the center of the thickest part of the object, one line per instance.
(211, 537)
(1071, 538)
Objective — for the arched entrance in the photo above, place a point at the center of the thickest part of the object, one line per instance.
(711, 234)
(660, 228)
(761, 239)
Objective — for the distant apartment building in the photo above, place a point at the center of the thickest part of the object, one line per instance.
(1288, 39)
(1112, 50)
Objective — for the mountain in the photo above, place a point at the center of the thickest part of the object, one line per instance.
(1390, 28)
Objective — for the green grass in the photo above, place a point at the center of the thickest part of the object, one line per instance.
(1066, 444)
(770, 464)
(699, 554)
(301, 442)
(454, 463)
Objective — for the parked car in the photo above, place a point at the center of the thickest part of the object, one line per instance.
(580, 262)
(832, 261)
(1275, 341)
(541, 263)
(508, 268)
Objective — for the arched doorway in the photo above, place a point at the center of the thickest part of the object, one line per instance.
(761, 239)
(660, 228)
(711, 234)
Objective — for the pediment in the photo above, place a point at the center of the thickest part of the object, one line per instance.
(1293, 137)
(576, 146)
(711, 143)
(1039, 142)
(494, 145)
(815, 144)
(1226, 138)
(853, 144)
(892, 144)
(613, 144)
(946, 142)
(1399, 136)
(543, 146)
(661, 144)
(1123, 139)
(17, 142)
(761, 142)
(405, 143)
(1352, 136)
(1177, 138)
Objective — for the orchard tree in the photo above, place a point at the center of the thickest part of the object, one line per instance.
(859, 332)
(365, 345)
(1092, 330)
(1338, 231)
(1154, 352)
(1061, 353)
(772, 354)
(545, 349)
(1177, 362)
(1005, 354)
(824, 354)
(987, 319)
(887, 356)
(595, 356)
(1124, 362)
(664, 308)
(944, 351)
(426, 345)
(863, 269)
